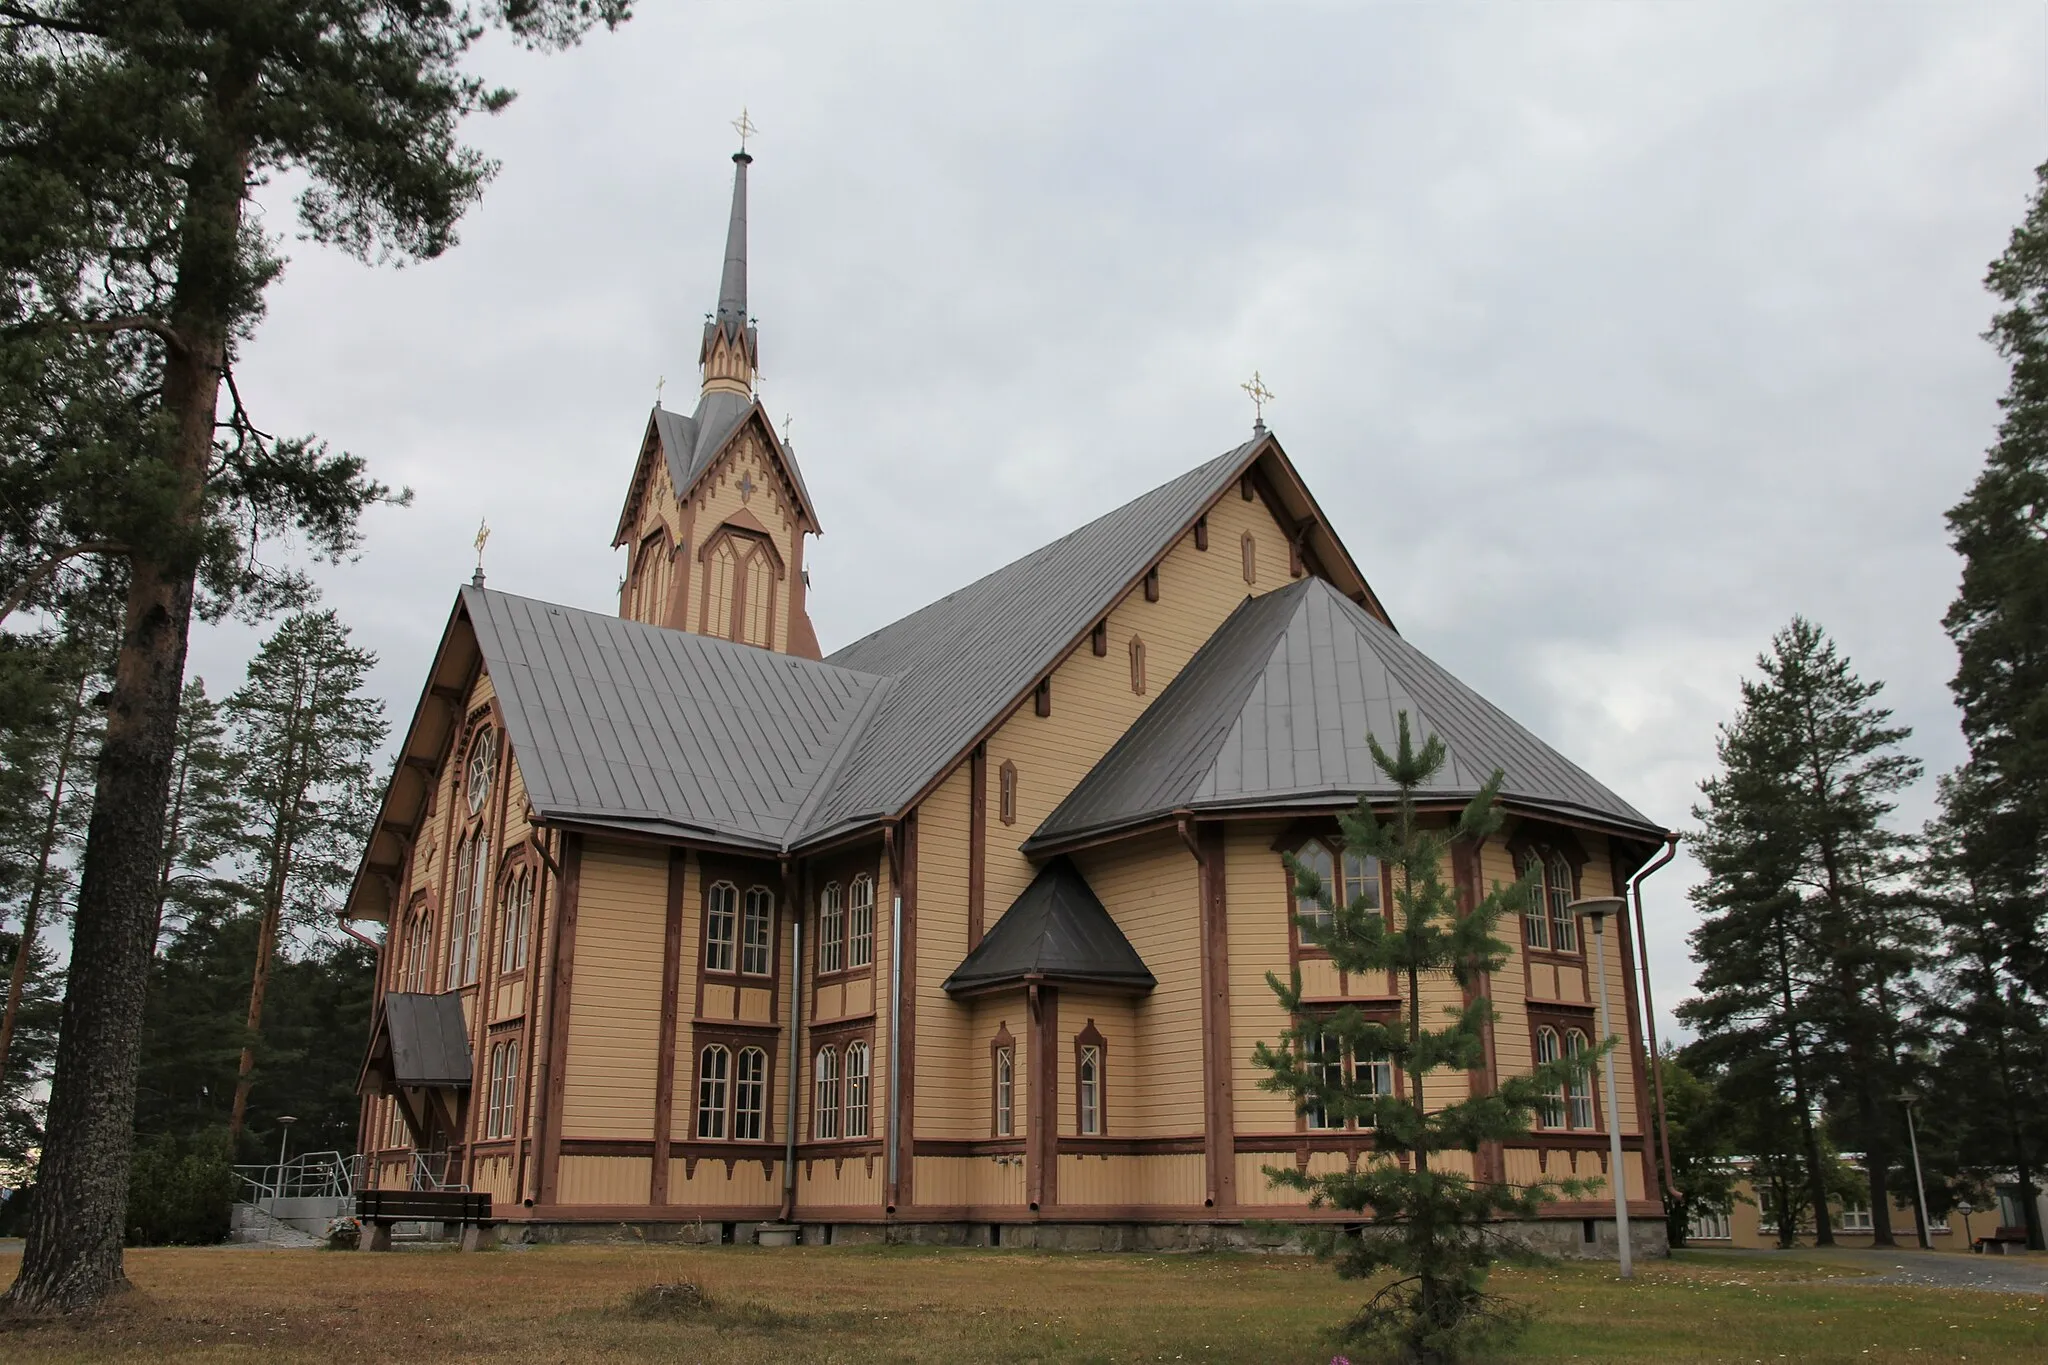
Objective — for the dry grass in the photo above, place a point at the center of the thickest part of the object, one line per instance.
(911, 1305)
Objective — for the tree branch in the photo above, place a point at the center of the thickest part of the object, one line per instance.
(134, 322)
(49, 565)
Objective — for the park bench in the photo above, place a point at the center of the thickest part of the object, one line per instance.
(377, 1210)
(2002, 1241)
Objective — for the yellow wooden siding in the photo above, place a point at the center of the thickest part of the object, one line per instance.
(615, 1011)
(1092, 701)
(603, 1180)
(1121, 1063)
(1255, 887)
(1176, 1180)
(1152, 889)
(495, 1176)
(950, 1100)
(851, 1181)
(746, 1183)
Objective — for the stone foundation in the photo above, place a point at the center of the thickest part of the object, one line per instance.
(1564, 1238)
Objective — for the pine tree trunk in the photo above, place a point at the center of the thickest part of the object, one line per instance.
(266, 948)
(30, 917)
(1816, 1178)
(72, 1258)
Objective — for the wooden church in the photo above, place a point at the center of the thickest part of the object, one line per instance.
(960, 933)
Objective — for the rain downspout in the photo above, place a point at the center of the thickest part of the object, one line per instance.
(895, 1008)
(796, 1014)
(1650, 1007)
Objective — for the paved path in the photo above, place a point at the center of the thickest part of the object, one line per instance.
(1953, 1270)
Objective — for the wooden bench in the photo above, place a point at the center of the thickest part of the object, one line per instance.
(377, 1210)
(2002, 1241)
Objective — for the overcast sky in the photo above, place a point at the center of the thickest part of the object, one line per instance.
(1609, 336)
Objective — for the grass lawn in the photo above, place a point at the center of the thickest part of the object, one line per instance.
(917, 1305)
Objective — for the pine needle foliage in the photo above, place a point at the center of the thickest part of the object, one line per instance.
(1432, 1226)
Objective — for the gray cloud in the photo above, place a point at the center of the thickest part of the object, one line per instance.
(1610, 336)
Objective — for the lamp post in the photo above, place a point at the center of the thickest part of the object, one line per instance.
(1966, 1208)
(284, 1135)
(1919, 1181)
(1600, 909)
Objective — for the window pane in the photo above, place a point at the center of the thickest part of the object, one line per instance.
(754, 940)
(831, 927)
(479, 897)
(1564, 933)
(1552, 1115)
(1362, 880)
(1005, 1093)
(1326, 1061)
(1316, 858)
(856, 1090)
(825, 1096)
(711, 1079)
(750, 1092)
(1090, 1069)
(721, 912)
(457, 929)
(1581, 1090)
(1535, 925)
(1377, 1074)
(861, 952)
(480, 766)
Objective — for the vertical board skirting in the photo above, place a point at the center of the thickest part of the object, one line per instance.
(1219, 1127)
(558, 1015)
(665, 1043)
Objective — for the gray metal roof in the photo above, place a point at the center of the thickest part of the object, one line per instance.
(958, 662)
(1274, 710)
(635, 727)
(429, 1042)
(1056, 931)
(732, 280)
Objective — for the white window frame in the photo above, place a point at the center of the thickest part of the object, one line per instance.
(481, 769)
(714, 1071)
(1579, 1093)
(1333, 1055)
(1710, 1227)
(1006, 1092)
(860, 946)
(856, 1070)
(1564, 930)
(1088, 1084)
(1315, 855)
(1855, 1218)
(1550, 1048)
(1536, 915)
(831, 928)
(757, 932)
(721, 926)
(750, 1095)
(825, 1094)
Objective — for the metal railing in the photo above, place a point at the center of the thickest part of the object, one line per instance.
(309, 1175)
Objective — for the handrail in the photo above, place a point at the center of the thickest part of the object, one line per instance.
(309, 1175)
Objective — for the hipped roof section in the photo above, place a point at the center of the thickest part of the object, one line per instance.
(1273, 711)
(1057, 931)
(689, 445)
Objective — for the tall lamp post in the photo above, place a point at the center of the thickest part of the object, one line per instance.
(1600, 909)
(1919, 1181)
(284, 1136)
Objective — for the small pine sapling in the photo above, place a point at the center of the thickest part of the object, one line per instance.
(1429, 1222)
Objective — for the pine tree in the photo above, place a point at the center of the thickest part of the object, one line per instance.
(1703, 1147)
(1431, 1222)
(205, 814)
(304, 735)
(1996, 805)
(131, 268)
(1811, 938)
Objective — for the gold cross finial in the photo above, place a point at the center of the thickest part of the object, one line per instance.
(1260, 396)
(483, 535)
(744, 126)
(659, 385)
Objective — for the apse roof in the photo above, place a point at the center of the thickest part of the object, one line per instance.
(1057, 931)
(428, 1039)
(1274, 710)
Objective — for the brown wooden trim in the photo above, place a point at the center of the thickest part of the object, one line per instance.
(842, 869)
(1098, 638)
(1220, 1116)
(958, 1147)
(977, 844)
(1138, 665)
(1569, 1019)
(641, 1147)
(1152, 584)
(745, 875)
(906, 1040)
(734, 1037)
(1041, 1169)
(567, 892)
(1202, 532)
(1248, 546)
(665, 1042)
(1041, 697)
(1073, 1145)
(1006, 792)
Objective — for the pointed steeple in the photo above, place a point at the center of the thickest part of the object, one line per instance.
(731, 351)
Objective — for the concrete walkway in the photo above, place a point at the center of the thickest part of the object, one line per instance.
(2024, 1273)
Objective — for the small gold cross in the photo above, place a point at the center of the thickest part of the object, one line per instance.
(1260, 396)
(483, 534)
(659, 385)
(744, 126)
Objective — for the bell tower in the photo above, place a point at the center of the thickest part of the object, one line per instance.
(717, 514)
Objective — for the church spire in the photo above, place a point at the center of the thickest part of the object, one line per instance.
(731, 351)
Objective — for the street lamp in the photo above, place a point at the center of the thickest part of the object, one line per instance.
(1600, 909)
(1966, 1208)
(284, 1135)
(1919, 1181)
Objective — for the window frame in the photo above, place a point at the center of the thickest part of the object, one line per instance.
(758, 1111)
(1006, 792)
(1581, 1099)
(831, 929)
(476, 789)
(864, 1103)
(721, 952)
(714, 1105)
(1551, 1113)
(1002, 1100)
(860, 923)
(1558, 884)
(1091, 1091)
(1137, 664)
(761, 949)
(825, 1095)
(516, 919)
(1339, 880)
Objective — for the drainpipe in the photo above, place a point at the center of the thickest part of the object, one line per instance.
(895, 1034)
(796, 1014)
(1650, 1006)
(348, 927)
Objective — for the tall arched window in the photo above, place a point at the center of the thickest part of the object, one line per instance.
(518, 913)
(750, 1095)
(856, 1090)
(1547, 1050)
(1315, 856)
(419, 953)
(860, 947)
(1005, 1084)
(1088, 1087)
(721, 926)
(498, 1120)
(757, 931)
(1376, 1074)
(825, 1094)
(1580, 1091)
(759, 592)
(458, 918)
(831, 928)
(722, 586)
(1557, 887)
(1326, 1063)
(713, 1071)
(479, 898)
(1535, 915)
